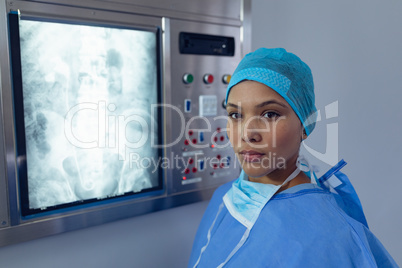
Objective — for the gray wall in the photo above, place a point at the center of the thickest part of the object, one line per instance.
(353, 50)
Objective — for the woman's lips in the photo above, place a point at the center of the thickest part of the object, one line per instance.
(251, 156)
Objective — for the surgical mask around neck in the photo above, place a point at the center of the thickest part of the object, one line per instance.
(246, 199)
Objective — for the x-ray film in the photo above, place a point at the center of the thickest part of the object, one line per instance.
(88, 93)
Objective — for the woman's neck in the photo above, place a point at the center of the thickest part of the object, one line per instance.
(278, 176)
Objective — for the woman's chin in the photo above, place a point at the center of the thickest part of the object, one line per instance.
(255, 172)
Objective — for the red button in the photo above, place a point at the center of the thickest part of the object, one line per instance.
(186, 171)
(190, 132)
(190, 161)
(186, 142)
(216, 139)
(194, 169)
(218, 156)
(218, 129)
(222, 138)
(215, 166)
(222, 165)
(194, 141)
(208, 79)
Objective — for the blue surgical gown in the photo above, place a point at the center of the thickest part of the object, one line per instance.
(301, 227)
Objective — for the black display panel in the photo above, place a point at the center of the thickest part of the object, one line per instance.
(85, 123)
(205, 44)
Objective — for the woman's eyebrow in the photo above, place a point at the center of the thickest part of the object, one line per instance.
(229, 104)
(270, 102)
(232, 105)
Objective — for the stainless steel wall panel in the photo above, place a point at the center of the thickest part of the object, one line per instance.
(78, 14)
(211, 17)
(222, 11)
(8, 195)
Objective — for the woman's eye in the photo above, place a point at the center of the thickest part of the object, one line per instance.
(270, 115)
(234, 115)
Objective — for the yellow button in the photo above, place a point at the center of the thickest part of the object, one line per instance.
(226, 78)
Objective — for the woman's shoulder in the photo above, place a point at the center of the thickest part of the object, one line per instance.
(314, 211)
(307, 202)
(312, 217)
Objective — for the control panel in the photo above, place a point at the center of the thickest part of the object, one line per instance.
(202, 65)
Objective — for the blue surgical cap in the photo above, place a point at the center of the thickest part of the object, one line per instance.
(285, 73)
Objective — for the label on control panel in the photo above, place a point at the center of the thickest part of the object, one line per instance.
(208, 105)
(193, 180)
(221, 174)
(192, 153)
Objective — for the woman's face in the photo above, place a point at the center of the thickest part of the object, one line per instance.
(263, 129)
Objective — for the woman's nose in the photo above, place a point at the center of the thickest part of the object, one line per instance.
(251, 131)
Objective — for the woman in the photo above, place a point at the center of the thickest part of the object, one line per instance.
(275, 215)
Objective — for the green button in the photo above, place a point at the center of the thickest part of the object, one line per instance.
(188, 78)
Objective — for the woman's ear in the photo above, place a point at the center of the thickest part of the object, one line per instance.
(304, 135)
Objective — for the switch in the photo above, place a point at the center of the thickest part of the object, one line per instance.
(201, 136)
(187, 105)
(201, 165)
(228, 161)
(225, 161)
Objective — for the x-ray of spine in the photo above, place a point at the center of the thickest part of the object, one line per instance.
(87, 108)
